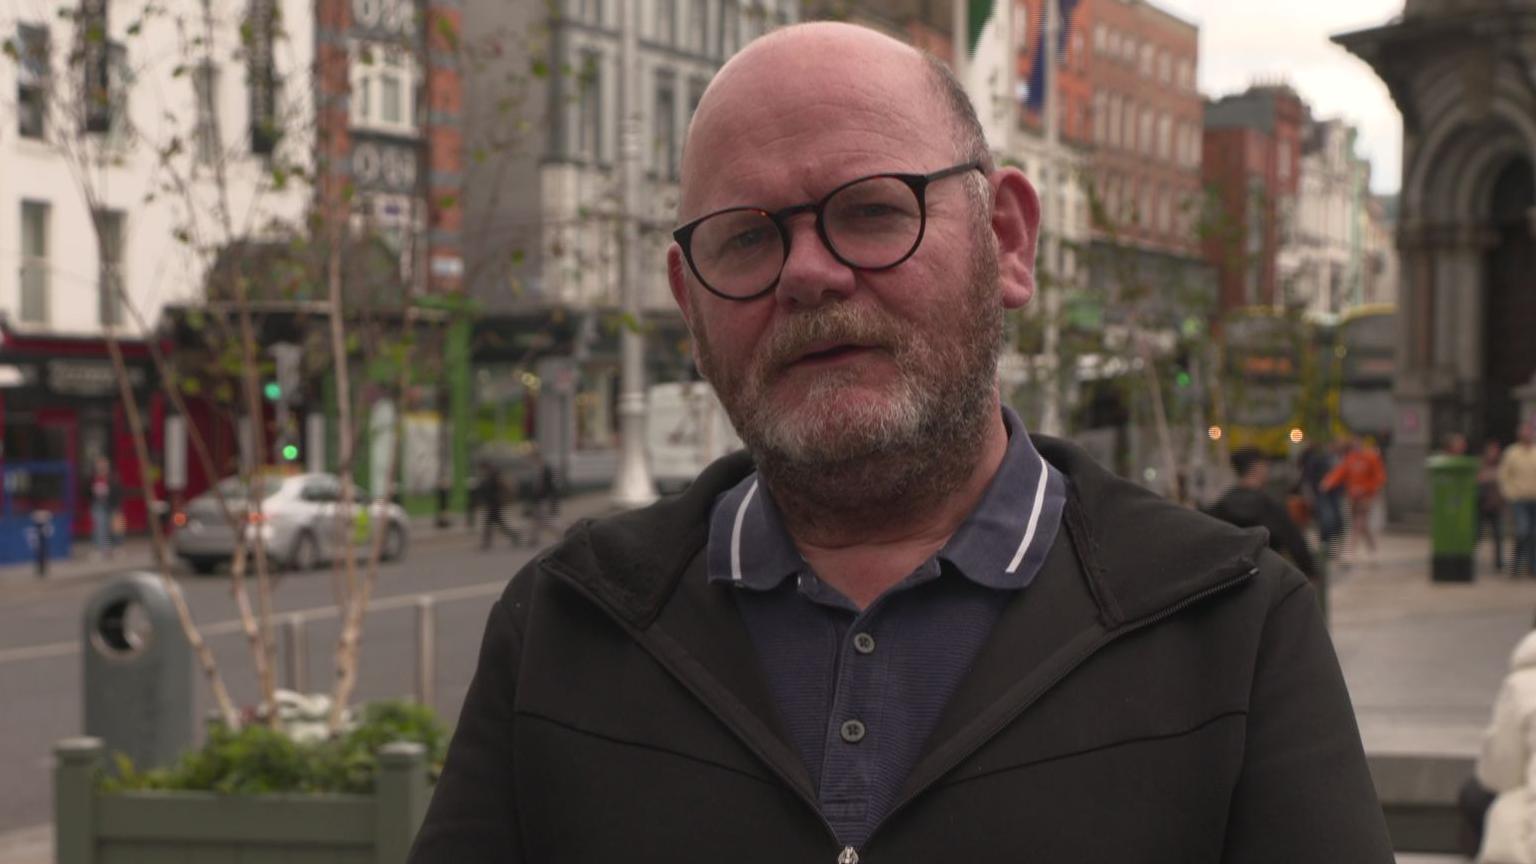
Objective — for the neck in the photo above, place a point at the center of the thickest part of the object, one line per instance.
(863, 527)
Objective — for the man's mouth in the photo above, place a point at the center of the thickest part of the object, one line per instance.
(830, 353)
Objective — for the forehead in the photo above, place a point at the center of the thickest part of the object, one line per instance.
(793, 122)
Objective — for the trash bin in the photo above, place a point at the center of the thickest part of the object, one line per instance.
(1453, 517)
(138, 672)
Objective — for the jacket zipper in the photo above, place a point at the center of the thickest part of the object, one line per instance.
(1067, 670)
(849, 855)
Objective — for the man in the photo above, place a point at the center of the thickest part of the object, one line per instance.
(900, 630)
(105, 496)
(1248, 505)
(1517, 483)
(491, 494)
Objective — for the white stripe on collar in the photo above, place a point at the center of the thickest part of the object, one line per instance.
(1034, 517)
(741, 515)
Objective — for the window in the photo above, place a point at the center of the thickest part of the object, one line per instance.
(666, 21)
(109, 283)
(383, 88)
(1284, 167)
(205, 89)
(1164, 67)
(33, 61)
(698, 26)
(729, 28)
(1099, 111)
(1164, 137)
(34, 262)
(589, 109)
(665, 124)
(1099, 39)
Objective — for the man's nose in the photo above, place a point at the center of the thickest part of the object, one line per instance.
(812, 275)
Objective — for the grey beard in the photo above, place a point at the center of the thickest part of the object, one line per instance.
(917, 449)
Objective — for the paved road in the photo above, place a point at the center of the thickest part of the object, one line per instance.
(40, 662)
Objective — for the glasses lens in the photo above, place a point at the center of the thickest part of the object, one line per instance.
(873, 223)
(738, 253)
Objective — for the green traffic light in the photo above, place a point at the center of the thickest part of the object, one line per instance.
(1183, 379)
(290, 452)
(272, 390)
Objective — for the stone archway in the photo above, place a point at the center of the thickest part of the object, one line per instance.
(1509, 280)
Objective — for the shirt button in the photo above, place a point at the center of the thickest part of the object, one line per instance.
(864, 643)
(853, 731)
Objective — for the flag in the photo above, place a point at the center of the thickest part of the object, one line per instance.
(986, 61)
(1035, 99)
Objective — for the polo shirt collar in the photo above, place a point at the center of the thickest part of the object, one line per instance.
(1000, 545)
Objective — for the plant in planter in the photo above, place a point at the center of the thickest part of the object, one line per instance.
(258, 792)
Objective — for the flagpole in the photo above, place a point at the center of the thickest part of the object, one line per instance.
(1050, 413)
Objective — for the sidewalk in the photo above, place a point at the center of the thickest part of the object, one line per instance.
(85, 568)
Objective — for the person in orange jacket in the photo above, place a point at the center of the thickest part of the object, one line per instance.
(1361, 474)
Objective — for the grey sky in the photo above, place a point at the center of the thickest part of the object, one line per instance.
(1243, 41)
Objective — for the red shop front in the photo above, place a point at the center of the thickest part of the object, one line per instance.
(60, 403)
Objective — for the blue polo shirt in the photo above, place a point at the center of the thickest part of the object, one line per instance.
(858, 693)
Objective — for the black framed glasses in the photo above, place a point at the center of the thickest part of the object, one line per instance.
(872, 223)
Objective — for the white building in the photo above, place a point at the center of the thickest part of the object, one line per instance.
(1335, 252)
(541, 198)
(160, 89)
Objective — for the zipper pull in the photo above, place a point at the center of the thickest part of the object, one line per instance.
(849, 855)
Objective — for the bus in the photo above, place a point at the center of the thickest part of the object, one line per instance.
(1366, 364)
(1272, 373)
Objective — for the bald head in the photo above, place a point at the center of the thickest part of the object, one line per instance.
(819, 62)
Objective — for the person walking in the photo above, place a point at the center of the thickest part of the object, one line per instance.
(1361, 475)
(1248, 505)
(1317, 461)
(1490, 501)
(543, 498)
(1517, 483)
(491, 495)
(104, 494)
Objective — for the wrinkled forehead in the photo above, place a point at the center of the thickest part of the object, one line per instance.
(797, 120)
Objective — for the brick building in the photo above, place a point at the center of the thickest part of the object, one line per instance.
(1253, 168)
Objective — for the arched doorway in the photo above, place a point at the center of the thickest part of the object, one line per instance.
(1509, 274)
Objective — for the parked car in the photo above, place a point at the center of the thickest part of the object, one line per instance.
(302, 523)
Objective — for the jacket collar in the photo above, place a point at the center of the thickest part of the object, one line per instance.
(1138, 552)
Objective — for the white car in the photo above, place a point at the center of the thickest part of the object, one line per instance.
(302, 523)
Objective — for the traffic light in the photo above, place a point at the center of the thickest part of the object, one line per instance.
(291, 452)
(272, 390)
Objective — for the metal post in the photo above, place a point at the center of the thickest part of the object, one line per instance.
(426, 650)
(1050, 415)
(632, 485)
(400, 799)
(295, 654)
(76, 764)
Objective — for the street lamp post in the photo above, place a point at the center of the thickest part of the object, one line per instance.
(632, 485)
(1050, 415)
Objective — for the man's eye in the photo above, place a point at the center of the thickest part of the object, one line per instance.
(745, 241)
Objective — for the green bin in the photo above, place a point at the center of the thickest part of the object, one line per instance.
(1453, 517)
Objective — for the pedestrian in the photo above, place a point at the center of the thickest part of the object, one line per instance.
(491, 494)
(1517, 483)
(1361, 475)
(543, 497)
(105, 496)
(897, 628)
(1490, 501)
(1248, 505)
(1505, 765)
(1317, 461)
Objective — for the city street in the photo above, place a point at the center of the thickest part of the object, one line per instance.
(1423, 661)
(40, 661)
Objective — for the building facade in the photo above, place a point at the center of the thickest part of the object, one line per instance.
(1331, 257)
(541, 197)
(1252, 171)
(1462, 75)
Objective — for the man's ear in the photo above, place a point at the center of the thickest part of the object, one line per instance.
(1016, 224)
(677, 280)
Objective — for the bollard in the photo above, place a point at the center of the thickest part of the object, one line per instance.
(401, 797)
(38, 535)
(295, 654)
(137, 671)
(426, 650)
(76, 762)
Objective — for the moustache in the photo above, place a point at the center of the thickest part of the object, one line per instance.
(836, 323)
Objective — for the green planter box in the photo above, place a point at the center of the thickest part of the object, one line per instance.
(92, 827)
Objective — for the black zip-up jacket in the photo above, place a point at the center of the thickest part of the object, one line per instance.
(1164, 692)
